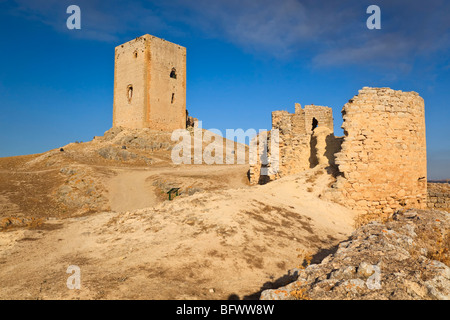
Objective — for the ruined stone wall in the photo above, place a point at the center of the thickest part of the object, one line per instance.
(383, 156)
(150, 84)
(297, 151)
(255, 158)
(439, 196)
(294, 142)
(323, 115)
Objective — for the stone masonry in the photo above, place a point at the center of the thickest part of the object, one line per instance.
(295, 141)
(150, 84)
(380, 163)
(383, 157)
(439, 196)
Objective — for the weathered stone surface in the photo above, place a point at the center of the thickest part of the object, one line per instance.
(439, 196)
(394, 260)
(150, 84)
(297, 143)
(380, 163)
(383, 156)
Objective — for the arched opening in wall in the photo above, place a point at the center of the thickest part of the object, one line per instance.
(129, 92)
(173, 98)
(135, 54)
(315, 123)
(173, 73)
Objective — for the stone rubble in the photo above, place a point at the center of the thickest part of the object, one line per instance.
(391, 260)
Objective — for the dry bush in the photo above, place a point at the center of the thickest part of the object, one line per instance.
(13, 222)
(305, 258)
(437, 243)
(363, 219)
(300, 294)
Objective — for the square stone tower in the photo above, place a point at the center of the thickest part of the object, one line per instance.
(150, 84)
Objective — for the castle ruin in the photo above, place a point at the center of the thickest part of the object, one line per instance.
(380, 163)
(150, 84)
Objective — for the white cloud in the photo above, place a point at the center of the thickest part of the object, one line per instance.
(329, 33)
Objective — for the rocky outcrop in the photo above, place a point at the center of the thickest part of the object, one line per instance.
(407, 258)
(81, 192)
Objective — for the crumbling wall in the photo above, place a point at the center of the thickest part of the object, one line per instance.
(381, 160)
(296, 141)
(383, 155)
(259, 159)
(293, 142)
(323, 115)
(191, 122)
(439, 196)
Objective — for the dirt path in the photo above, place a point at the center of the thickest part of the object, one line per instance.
(128, 190)
(132, 188)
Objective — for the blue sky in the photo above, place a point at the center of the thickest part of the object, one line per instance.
(245, 59)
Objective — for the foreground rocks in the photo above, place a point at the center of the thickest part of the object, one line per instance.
(406, 257)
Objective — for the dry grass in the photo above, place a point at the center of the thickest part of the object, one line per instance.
(437, 243)
(363, 219)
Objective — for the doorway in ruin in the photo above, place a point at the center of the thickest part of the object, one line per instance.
(315, 123)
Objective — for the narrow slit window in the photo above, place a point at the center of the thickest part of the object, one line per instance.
(129, 92)
(173, 98)
(173, 73)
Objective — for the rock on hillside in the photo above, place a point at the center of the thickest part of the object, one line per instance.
(407, 258)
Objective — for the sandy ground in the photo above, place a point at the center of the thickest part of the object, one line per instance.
(217, 244)
(103, 207)
(128, 190)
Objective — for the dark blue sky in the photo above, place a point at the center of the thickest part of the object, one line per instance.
(245, 58)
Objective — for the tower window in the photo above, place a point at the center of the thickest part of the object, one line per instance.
(173, 73)
(315, 123)
(173, 98)
(129, 92)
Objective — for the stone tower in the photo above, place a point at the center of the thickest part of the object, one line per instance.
(150, 84)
